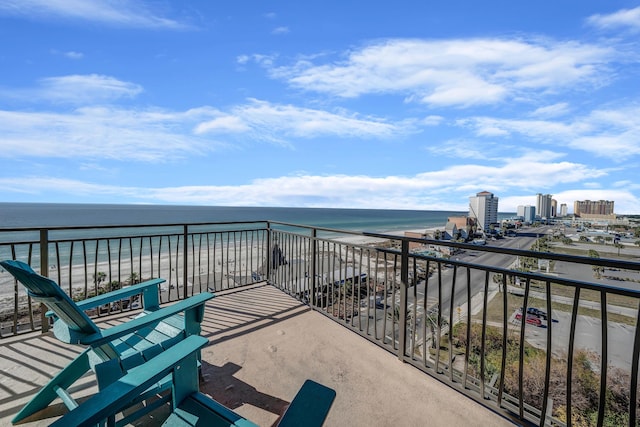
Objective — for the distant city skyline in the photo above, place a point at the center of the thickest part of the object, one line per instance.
(403, 105)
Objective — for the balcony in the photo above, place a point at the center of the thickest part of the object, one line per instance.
(403, 336)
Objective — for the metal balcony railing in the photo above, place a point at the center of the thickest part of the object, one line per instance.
(535, 335)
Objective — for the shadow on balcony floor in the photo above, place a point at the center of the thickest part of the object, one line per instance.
(263, 345)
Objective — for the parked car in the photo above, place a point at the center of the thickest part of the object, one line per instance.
(531, 318)
(537, 312)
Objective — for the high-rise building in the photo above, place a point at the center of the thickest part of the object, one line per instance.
(484, 208)
(563, 209)
(529, 214)
(520, 211)
(554, 208)
(543, 205)
(592, 207)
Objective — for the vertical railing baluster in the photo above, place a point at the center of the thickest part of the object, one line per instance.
(313, 283)
(131, 263)
(572, 339)
(59, 266)
(110, 264)
(86, 269)
(95, 269)
(199, 264)
(44, 270)
(120, 262)
(503, 361)
(70, 269)
(525, 304)
(150, 240)
(177, 266)
(268, 254)
(438, 325)
(395, 308)
(343, 282)
(185, 261)
(254, 236)
(15, 299)
(468, 332)
(604, 359)
(171, 268)
(226, 251)
(451, 306)
(208, 266)
(484, 336)
(160, 239)
(385, 285)
(425, 314)
(633, 394)
(360, 285)
(29, 303)
(547, 373)
(404, 286)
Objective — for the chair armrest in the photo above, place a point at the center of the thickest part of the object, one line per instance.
(105, 336)
(117, 395)
(118, 294)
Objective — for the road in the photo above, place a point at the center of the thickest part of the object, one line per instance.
(523, 241)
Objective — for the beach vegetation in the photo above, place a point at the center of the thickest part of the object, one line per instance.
(585, 376)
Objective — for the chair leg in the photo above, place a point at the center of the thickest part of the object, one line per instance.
(64, 379)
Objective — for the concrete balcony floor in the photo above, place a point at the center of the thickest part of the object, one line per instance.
(263, 345)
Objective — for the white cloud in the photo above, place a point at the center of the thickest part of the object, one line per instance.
(432, 120)
(101, 132)
(112, 12)
(85, 89)
(447, 188)
(280, 30)
(224, 124)
(74, 55)
(613, 133)
(459, 149)
(549, 111)
(624, 18)
(458, 72)
(68, 54)
(276, 122)
(159, 135)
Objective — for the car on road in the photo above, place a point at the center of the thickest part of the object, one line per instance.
(530, 318)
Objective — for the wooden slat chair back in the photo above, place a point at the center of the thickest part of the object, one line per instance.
(111, 352)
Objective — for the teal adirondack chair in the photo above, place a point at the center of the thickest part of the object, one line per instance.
(190, 407)
(111, 352)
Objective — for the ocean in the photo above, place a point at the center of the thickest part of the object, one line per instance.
(18, 215)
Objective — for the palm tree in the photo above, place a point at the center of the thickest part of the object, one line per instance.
(99, 277)
(597, 269)
(619, 246)
(133, 279)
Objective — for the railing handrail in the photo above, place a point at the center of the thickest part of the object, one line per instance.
(112, 226)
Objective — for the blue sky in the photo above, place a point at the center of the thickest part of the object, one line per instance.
(404, 105)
